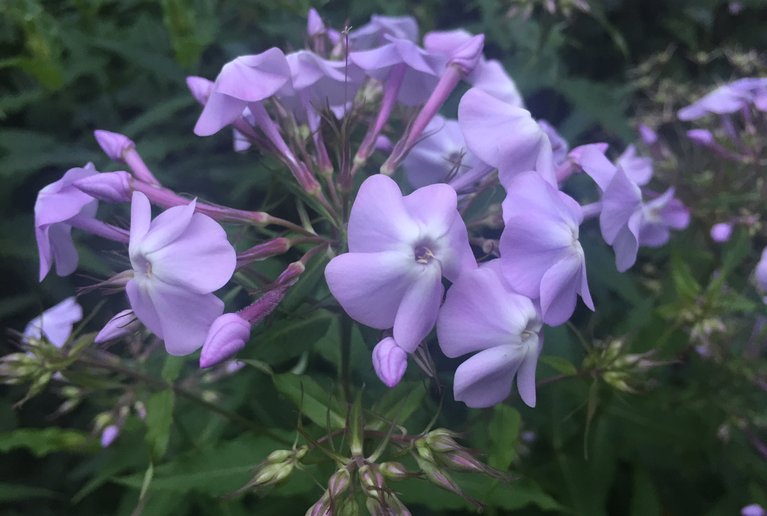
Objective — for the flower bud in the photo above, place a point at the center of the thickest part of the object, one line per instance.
(701, 137)
(339, 482)
(108, 435)
(121, 325)
(648, 135)
(200, 88)
(389, 361)
(467, 56)
(114, 145)
(107, 186)
(394, 470)
(227, 335)
(721, 232)
(461, 460)
(441, 440)
(371, 480)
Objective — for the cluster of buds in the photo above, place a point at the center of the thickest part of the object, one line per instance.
(619, 369)
(275, 469)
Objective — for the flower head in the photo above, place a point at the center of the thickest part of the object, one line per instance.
(56, 206)
(178, 260)
(541, 255)
(482, 314)
(399, 250)
(55, 324)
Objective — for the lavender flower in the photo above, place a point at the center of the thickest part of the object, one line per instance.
(57, 207)
(178, 260)
(483, 314)
(55, 324)
(540, 252)
(399, 249)
(243, 80)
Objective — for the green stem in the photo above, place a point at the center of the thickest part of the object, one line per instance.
(346, 347)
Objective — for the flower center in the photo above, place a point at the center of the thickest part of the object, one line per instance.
(143, 265)
(423, 254)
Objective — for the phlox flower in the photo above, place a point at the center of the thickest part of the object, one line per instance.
(399, 250)
(482, 314)
(374, 33)
(541, 255)
(56, 208)
(55, 324)
(178, 260)
(243, 80)
(728, 98)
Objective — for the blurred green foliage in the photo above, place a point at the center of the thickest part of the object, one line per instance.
(593, 446)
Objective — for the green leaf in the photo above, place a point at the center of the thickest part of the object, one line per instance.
(681, 274)
(314, 401)
(45, 441)
(504, 433)
(16, 492)
(287, 339)
(559, 364)
(159, 416)
(397, 405)
(172, 368)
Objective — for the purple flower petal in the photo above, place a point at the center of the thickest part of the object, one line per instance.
(486, 378)
(419, 307)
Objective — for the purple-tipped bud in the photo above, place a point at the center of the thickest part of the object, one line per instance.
(701, 137)
(108, 435)
(394, 470)
(721, 232)
(462, 460)
(114, 145)
(314, 24)
(371, 480)
(200, 88)
(290, 275)
(389, 361)
(339, 482)
(121, 325)
(648, 135)
(383, 144)
(226, 336)
(467, 56)
(107, 186)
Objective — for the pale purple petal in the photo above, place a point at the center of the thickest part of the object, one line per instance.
(486, 378)
(490, 77)
(55, 323)
(201, 259)
(370, 286)
(591, 158)
(638, 168)
(761, 271)
(182, 317)
(379, 220)
(140, 220)
(419, 307)
(500, 134)
(389, 362)
(559, 287)
(167, 227)
(526, 372)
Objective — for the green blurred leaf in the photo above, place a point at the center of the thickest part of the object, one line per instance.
(314, 401)
(41, 442)
(159, 416)
(503, 431)
(16, 492)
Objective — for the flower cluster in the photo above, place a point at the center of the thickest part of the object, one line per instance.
(343, 116)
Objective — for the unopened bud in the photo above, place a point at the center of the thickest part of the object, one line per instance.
(394, 470)
(701, 137)
(462, 460)
(121, 325)
(467, 56)
(721, 232)
(107, 186)
(338, 483)
(441, 440)
(227, 335)
(389, 362)
(108, 435)
(114, 145)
